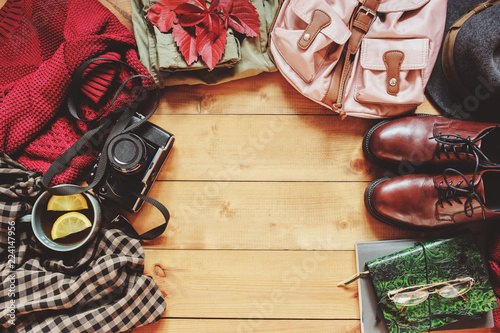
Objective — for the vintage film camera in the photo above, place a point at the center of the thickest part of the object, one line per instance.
(134, 161)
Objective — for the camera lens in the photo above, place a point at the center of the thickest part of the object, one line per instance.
(127, 152)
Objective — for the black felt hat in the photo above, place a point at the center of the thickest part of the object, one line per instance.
(469, 86)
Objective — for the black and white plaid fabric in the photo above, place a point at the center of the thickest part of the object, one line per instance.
(16, 182)
(100, 289)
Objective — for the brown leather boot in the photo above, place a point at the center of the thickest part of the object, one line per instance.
(422, 201)
(432, 141)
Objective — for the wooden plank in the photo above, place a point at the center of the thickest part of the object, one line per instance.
(427, 107)
(264, 215)
(268, 93)
(266, 148)
(268, 216)
(265, 326)
(249, 325)
(269, 148)
(254, 284)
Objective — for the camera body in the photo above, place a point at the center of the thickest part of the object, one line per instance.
(134, 161)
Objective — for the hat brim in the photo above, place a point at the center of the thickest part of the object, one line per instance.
(439, 92)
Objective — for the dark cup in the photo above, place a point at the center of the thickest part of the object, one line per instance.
(39, 209)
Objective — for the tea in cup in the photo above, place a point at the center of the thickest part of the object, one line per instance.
(65, 223)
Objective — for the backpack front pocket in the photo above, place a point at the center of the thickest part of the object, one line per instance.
(310, 38)
(390, 71)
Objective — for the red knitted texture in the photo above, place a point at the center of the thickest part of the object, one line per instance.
(42, 43)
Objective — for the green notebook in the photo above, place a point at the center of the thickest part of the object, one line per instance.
(453, 266)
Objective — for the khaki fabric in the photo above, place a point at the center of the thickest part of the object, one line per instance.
(171, 60)
(243, 56)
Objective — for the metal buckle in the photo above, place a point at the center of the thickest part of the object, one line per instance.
(368, 11)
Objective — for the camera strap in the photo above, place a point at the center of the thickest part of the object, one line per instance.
(112, 217)
(117, 122)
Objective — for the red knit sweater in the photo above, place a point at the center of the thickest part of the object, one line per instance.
(41, 45)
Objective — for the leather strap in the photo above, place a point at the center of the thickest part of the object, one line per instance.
(333, 90)
(319, 21)
(112, 219)
(111, 126)
(361, 20)
(447, 59)
(393, 60)
(116, 123)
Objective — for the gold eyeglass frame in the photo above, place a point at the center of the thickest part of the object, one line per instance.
(468, 279)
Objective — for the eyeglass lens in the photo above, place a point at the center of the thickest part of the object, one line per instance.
(411, 298)
(455, 290)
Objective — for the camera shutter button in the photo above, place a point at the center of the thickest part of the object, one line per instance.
(127, 152)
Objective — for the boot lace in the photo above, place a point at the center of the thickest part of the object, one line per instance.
(455, 143)
(458, 192)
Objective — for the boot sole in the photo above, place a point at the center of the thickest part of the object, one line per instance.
(366, 144)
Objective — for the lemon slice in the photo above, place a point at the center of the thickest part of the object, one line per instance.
(68, 224)
(67, 202)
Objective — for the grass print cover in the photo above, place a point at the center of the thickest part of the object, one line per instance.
(427, 263)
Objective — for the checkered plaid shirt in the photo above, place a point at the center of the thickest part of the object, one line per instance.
(100, 289)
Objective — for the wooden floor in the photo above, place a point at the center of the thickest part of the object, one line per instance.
(266, 193)
(265, 189)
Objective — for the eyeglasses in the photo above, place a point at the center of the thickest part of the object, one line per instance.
(414, 295)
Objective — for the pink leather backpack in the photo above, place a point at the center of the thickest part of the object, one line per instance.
(366, 58)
